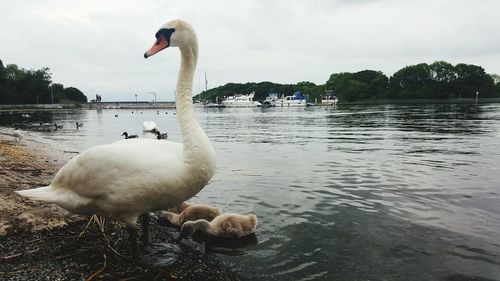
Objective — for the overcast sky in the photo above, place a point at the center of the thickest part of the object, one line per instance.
(98, 46)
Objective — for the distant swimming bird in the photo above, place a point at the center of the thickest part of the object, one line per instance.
(225, 225)
(149, 126)
(191, 213)
(116, 115)
(130, 178)
(78, 125)
(160, 136)
(57, 127)
(129, 137)
(45, 127)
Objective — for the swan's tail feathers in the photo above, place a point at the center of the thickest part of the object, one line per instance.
(45, 193)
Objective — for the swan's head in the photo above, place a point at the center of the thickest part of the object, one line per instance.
(176, 33)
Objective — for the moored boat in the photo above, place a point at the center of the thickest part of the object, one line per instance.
(297, 99)
(329, 98)
(240, 100)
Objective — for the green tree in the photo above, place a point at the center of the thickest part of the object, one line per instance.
(444, 76)
(411, 82)
(21, 86)
(472, 79)
(73, 94)
(362, 85)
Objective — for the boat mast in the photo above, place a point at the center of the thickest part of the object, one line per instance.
(206, 84)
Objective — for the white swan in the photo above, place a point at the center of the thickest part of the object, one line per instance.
(149, 126)
(129, 178)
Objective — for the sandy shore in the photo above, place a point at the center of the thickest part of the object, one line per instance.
(27, 164)
(40, 241)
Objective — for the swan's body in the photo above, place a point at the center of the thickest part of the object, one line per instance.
(131, 187)
(225, 225)
(129, 178)
(192, 213)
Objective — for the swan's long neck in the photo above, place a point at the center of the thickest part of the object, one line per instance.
(199, 155)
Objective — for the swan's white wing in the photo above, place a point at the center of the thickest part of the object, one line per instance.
(123, 167)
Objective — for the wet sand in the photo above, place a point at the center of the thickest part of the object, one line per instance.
(40, 241)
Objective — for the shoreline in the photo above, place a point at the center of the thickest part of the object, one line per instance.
(171, 105)
(41, 241)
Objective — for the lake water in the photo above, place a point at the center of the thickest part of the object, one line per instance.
(379, 192)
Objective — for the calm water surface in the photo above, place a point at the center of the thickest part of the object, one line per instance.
(353, 193)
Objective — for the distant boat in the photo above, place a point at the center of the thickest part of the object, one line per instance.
(270, 100)
(241, 101)
(329, 98)
(213, 105)
(297, 99)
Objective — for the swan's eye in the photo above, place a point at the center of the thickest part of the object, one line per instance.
(158, 34)
(165, 32)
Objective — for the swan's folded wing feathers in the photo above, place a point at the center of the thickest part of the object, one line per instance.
(101, 169)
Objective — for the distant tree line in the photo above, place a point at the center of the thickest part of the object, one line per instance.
(22, 86)
(439, 80)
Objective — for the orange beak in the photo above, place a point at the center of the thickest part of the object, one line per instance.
(160, 44)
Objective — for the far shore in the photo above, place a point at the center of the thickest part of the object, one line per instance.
(171, 105)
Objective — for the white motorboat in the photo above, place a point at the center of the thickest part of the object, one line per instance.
(297, 99)
(270, 100)
(329, 100)
(241, 101)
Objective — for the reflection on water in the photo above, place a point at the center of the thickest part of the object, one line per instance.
(380, 192)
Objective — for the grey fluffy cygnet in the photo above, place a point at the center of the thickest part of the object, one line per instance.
(191, 213)
(225, 225)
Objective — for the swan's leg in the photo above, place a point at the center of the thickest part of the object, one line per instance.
(157, 254)
(146, 234)
(132, 236)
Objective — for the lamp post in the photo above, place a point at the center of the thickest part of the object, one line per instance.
(135, 98)
(153, 93)
(477, 97)
(51, 94)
